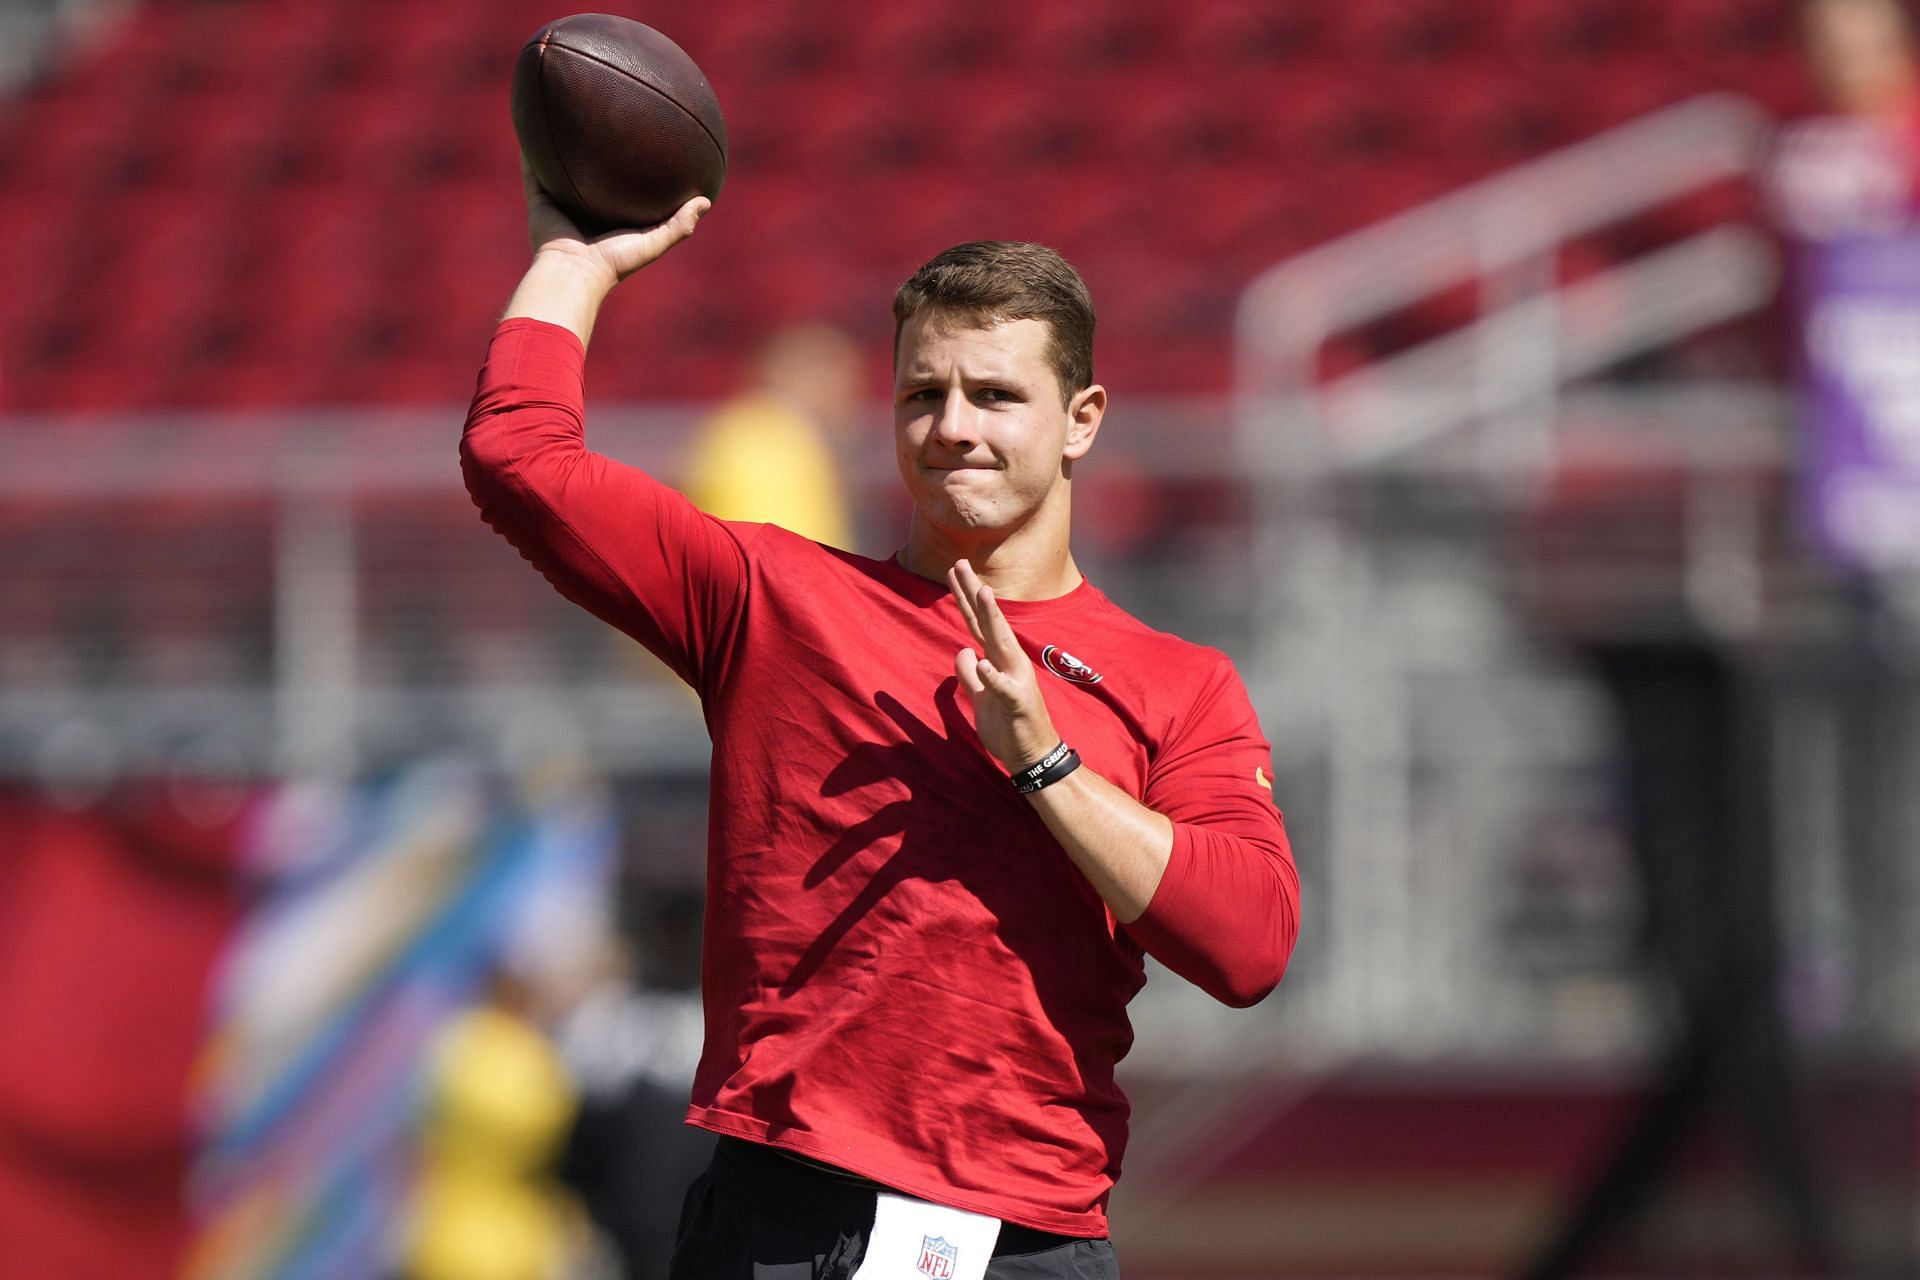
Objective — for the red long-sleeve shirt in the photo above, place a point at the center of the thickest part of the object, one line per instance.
(904, 974)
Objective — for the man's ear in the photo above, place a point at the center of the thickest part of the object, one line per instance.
(1084, 413)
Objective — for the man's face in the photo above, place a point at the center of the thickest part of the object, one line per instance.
(1860, 52)
(980, 426)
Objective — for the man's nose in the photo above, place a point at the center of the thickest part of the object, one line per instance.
(954, 425)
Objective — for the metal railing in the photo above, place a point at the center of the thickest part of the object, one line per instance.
(1503, 233)
(1404, 691)
(314, 594)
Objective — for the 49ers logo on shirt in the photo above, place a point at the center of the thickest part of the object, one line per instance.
(1068, 667)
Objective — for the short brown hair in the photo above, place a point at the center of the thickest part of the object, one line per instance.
(994, 281)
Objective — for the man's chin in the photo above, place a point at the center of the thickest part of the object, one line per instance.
(941, 512)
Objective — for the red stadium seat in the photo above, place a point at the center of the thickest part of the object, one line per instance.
(64, 142)
(765, 44)
(1778, 79)
(1709, 33)
(1165, 147)
(1580, 36)
(1401, 33)
(223, 139)
(1242, 34)
(1180, 117)
(1332, 122)
(1490, 119)
(1011, 125)
(1081, 35)
(39, 252)
(1631, 91)
(944, 42)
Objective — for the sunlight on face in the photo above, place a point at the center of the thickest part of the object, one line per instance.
(979, 427)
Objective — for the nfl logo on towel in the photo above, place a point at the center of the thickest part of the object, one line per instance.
(937, 1257)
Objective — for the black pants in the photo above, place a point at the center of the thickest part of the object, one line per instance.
(758, 1215)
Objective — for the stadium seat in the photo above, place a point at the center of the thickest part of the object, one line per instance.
(1486, 121)
(1333, 122)
(1151, 141)
(1241, 34)
(1579, 36)
(1708, 33)
(942, 42)
(1395, 34)
(66, 142)
(753, 44)
(1631, 91)
(1180, 118)
(1084, 35)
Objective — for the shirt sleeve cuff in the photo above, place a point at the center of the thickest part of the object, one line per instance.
(1170, 895)
(522, 345)
(1213, 917)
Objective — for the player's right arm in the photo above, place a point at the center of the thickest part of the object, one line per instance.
(572, 275)
(610, 537)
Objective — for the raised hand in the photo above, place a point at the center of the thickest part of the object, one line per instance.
(1009, 711)
(571, 275)
(617, 253)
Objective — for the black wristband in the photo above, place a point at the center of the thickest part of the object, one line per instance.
(1050, 768)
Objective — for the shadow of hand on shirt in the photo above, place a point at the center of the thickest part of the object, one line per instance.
(1039, 944)
(932, 759)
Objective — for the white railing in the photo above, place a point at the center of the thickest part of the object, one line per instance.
(1355, 653)
(314, 594)
(1501, 232)
(320, 561)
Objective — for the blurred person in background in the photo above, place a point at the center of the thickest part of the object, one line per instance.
(487, 1201)
(1853, 169)
(631, 1047)
(1843, 186)
(767, 455)
(500, 1099)
(1695, 771)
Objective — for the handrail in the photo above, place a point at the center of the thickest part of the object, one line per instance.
(1332, 647)
(1497, 223)
(1390, 407)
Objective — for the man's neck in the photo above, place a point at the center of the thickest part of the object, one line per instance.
(1020, 566)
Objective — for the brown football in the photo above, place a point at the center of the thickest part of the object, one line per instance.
(619, 125)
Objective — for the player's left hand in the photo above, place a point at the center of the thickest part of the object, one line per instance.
(1009, 711)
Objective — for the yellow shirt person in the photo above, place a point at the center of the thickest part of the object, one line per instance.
(487, 1205)
(768, 455)
(762, 458)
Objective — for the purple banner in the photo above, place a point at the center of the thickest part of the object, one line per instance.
(1860, 327)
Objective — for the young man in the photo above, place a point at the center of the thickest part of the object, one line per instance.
(926, 911)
